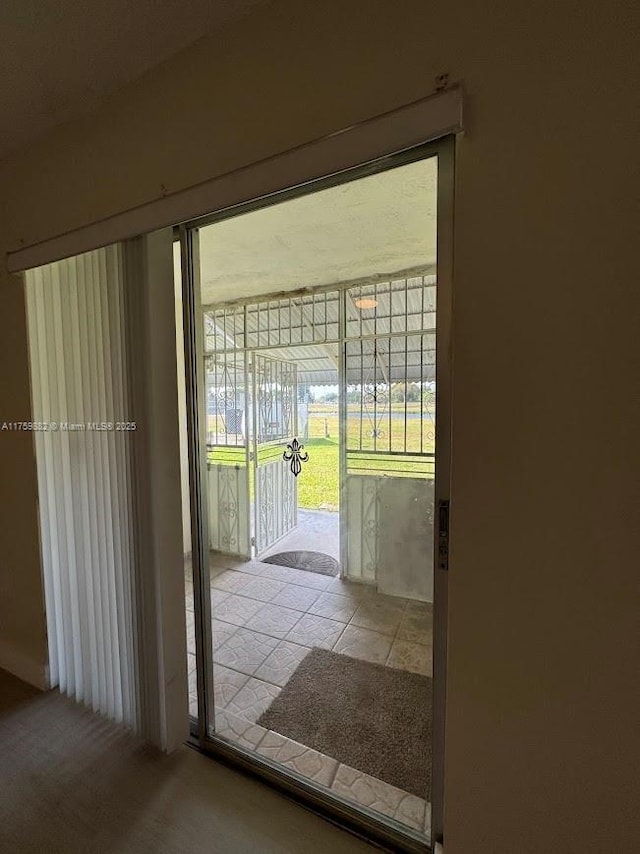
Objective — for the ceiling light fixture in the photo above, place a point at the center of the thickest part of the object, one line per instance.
(366, 302)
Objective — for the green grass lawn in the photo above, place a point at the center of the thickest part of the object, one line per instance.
(398, 439)
(318, 481)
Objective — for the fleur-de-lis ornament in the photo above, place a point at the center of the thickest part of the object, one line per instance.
(295, 453)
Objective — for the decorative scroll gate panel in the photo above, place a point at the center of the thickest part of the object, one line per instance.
(389, 371)
(227, 453)
(275, 408)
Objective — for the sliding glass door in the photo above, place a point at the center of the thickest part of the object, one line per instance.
(317, 386)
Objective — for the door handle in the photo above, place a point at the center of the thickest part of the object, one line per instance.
(443, 535)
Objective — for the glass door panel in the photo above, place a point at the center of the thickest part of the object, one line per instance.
(325, 678)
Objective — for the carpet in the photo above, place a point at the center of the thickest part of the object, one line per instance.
(311, 561)
(374, 718)
(71, 782)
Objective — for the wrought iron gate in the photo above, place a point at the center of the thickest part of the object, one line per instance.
(275, 395)
(378, 340)
(228, 452)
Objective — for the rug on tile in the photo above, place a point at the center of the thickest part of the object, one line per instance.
(310, 561)
(374, 718)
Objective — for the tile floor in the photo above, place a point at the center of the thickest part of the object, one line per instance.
(266, 618)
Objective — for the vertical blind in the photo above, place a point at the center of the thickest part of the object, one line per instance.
(83, 441)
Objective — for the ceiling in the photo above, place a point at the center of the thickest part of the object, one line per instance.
(374, 226)
(58, 58)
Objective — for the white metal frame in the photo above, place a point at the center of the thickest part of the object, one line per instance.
(444, 419)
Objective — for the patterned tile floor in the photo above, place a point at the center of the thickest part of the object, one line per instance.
(265, 620)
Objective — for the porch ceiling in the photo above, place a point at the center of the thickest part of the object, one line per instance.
(373, 226)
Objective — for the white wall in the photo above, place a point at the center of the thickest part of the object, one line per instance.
(542, 735)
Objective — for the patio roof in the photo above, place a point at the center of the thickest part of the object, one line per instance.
(304, 328)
